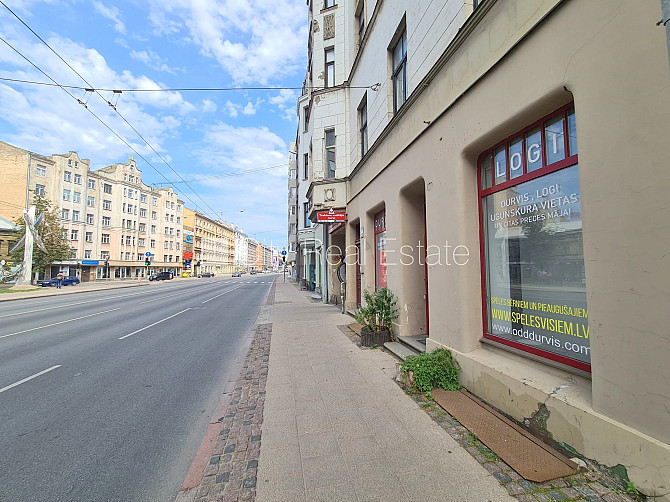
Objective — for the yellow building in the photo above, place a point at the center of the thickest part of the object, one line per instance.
(213, 243)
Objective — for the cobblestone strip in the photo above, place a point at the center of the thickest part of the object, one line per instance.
(591, 486)
(231, 473)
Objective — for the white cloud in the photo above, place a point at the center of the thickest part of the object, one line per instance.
(285, 96)
(208, 106)
(253, 40)
(46, 120)
(112, 13)
(232, 109)
(152, 60)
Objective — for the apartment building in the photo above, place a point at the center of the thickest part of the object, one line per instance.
(293, 209)
(213, 245)
(500, 169)
(110, 217)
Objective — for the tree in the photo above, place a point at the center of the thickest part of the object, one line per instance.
(57, 245)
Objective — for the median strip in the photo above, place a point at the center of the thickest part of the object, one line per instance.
(154, 324)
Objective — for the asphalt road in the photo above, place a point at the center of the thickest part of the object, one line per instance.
(106, 395)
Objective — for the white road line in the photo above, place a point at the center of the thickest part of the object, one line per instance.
(150, 325)
(68, 305)
(61, 322)
(29, 378)
(238, 287)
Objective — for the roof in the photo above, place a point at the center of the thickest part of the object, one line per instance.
(5, 224)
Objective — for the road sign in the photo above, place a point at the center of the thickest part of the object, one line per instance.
(283, 252)
(147, 254)
(330, 216)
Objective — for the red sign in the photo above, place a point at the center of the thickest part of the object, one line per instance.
(188, 255)
(330, 216)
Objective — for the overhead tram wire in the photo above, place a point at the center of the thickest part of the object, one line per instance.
(99, 120)
(229, 175)
(374, 87)
(90, 88)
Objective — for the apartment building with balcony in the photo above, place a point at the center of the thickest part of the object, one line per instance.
(213, 244)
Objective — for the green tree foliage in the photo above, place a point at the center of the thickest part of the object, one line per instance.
(51, 232)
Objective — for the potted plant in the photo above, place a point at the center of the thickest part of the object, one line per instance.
(376, 317)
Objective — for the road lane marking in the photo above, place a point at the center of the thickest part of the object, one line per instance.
(238, 287)
(29, 378)
(60, 322)
(150, 325)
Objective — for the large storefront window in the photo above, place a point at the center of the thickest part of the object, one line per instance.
(380, 250)
(533, 271)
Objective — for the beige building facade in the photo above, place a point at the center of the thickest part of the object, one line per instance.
(213, 246)
(514, 204)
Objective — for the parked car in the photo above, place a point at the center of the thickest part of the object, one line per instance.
(66, 282)
(253, 272)
(161, 276)
(237, 274)
(206, 274)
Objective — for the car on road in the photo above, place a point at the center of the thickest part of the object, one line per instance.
(253, 272)
(206, 274)
(67, 281)
(161, 276)
(237, 274)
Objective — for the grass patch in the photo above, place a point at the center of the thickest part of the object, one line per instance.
(433, 369)
(8, 290)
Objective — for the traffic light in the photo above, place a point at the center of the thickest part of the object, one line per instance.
(147, 262)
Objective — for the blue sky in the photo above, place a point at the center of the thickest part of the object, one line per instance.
(207, 137)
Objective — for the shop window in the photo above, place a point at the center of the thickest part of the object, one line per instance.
(534, 285)
(380, 250)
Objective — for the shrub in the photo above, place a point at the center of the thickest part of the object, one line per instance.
(379, 312)
(433, 369)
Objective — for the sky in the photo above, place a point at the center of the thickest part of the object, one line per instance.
(210, 138)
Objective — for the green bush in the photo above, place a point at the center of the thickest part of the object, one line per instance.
(379, 312)
(433, 369)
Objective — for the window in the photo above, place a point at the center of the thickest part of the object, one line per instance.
(74, 235)
(380, 250)
(89, 219)
(73, 253)
(330, 153)
(165, 245)
(39, 190)
(154, 215)
(104, 239)
(293, 192)
(87, 253)
(167, 217)
(41, 170)
(140, 242)
(142, 227)
(103, 256)
(327, 4)
(75, 215)
(130, 209)
(91, 184)
(128, 240)
(107, 188)
(143, 197)
(293, 210)
(107, 205)
(67, 175)
(305, 166)
(166, 230)
(178, 220)
(77, 179)
(65, 214)
(360, 22)
(153, 229)
(399, 76)
(154, 201)
(143, 213)
(76, 197)
(130, 193)
(89, 237)
(308, 223)
(330, 67)
(293, 229)
(106, 221)
(131, 179)
(165, 257)
(66, 195)
(305, 114)
(172, 205)
(153, 243)
(294, 174)
(534, 282)
(90, 201)
(363, 121)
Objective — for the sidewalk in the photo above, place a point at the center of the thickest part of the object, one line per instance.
(336, 426)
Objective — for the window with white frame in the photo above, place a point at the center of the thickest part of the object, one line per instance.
(65, 214)
(67, 175)
(76, 197)
(41, 170)
(88, 253)
(39, 190)
(107, 205)
(104, 239)
(106, 221)
(330, 153)
(363, 122)
(89, 237)
(330, 67)
(75, 215)
(107, 188)
(74, 235)
(91, 184)
(77, 179)
(89, 218)
(66, 195)
(90, 201)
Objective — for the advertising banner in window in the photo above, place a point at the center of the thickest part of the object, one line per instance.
(534, 265)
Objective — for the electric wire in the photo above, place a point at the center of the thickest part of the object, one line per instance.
(90, 89)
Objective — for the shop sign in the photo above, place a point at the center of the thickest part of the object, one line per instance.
(90, 262)
(188, 255)
(330, 216)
